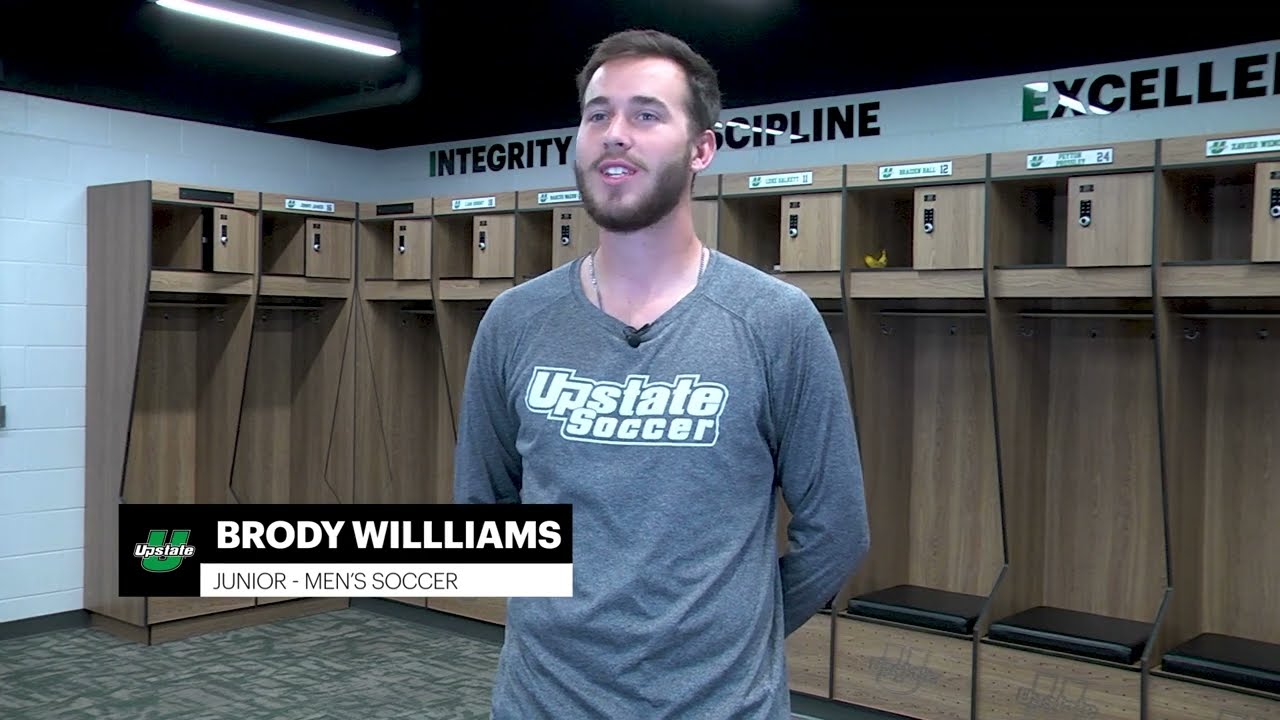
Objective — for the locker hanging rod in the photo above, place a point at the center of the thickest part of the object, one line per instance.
(1102, 314)
(290, 306)
(1224, 315)
(934, 313)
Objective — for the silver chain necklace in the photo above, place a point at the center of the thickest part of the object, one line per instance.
(591, 262)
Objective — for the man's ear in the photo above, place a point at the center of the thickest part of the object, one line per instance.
(704, 149)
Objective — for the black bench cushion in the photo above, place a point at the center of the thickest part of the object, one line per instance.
(921, 606)
(1232, 660)
(1072, 631)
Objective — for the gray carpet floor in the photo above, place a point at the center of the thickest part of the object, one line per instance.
(352, 664)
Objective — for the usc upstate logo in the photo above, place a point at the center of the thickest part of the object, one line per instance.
(638, 411)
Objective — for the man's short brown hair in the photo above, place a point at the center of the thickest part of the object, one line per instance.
(703, 85)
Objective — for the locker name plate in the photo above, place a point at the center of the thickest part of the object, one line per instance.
(780, 180)
(1242, 145)
(309, 205)
(473, 203)
(1071, 158)
(904, 172)
(564, 196)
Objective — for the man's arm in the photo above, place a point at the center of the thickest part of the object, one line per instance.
(486, 466)
(819, 468)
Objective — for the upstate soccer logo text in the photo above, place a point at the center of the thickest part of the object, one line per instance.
(637, 411)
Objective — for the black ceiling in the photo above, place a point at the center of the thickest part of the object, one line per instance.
(138, 56)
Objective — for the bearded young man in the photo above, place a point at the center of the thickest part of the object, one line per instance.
(667, 392)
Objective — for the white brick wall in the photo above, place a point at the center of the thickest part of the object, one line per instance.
(49, 151)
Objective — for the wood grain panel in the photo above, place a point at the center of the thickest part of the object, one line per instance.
(916, 674)
(809, 657)
(1017, 685)
(1172, 699)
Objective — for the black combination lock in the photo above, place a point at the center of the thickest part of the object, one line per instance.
(401, 247)
(928, 220)
(315, 240)
(1086, 213)
(1275, 203)
(564, 235)
(483, 242)
(793, 221)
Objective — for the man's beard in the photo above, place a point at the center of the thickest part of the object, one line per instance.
(671, 180)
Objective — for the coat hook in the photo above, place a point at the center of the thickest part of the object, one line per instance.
(1263, 333)
(1093, 332)
(1025, 331)
(954, 330)
(1190, 333)
(885, 329)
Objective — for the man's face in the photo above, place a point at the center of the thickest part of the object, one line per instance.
(634, 151)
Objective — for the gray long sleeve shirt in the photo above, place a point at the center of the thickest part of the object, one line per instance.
(671, 453)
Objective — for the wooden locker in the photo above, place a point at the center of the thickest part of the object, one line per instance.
(810, 232)
(574, 234)
(1109, 220)
(493, 246)
(948, 229)
(1266, 214)
(411, 259)
(329, 244)
(706, 220)
(233, 235)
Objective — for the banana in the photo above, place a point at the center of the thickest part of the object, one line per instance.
(876, 262)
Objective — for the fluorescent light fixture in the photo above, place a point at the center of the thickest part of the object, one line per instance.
(301, 26)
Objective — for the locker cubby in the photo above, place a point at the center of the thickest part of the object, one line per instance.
(295, 437)
(552, 228)
(181, 434)
(186, 398)
(395, 241)
(785, 222)
(922, 393)
(168, 353)
(1221, 408)
(204, 238)
(458, 321)
(307, 238)
(1220, 214)
(1077, 411)
(403, 423)
(1077, 221)
(475, 237)
(572, 234)
(880, 228)
(705, 208)
(924, 214)
(1217, 194)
